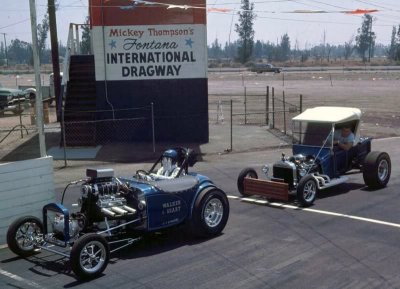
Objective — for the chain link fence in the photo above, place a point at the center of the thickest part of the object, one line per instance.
(79, 133)
(256, 107)
(73, 139)
(85, 128)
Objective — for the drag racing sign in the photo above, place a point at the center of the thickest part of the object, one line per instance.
(151, 52)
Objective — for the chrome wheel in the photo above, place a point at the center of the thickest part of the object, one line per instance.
(383, 170)
(213, 212)
(93, 256)
(26, 236)
(309, 191)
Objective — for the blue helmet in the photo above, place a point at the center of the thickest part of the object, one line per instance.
(173, 154)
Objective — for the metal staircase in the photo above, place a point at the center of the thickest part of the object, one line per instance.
(80, 102)
(80, 94)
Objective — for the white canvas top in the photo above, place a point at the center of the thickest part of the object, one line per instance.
(329, 114)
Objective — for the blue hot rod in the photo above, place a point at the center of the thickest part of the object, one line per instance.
(319, 160)
(112, 208)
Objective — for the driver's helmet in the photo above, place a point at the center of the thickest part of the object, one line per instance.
(169, 161)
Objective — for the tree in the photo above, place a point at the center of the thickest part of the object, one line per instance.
(215, 51)
(397, 50)
(258, 49)
(2, 54)
(348, 48)
(61, 49)
(365, 38)
(20, 52)
(393, 45)
(230, 50)
(304, 55)
(85, 44)
(284, 48)
(245, 30)
(43, 30)
(2, 51)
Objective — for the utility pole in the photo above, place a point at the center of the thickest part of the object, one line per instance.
(5, 45)
(370, 40)
(36, 63)
(55, 56)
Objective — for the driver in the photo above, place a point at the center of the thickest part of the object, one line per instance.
(169, 164)
(344, 138)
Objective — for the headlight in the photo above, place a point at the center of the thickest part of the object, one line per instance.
(265, 170)
(9, 97)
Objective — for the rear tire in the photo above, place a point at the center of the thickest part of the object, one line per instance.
(89, 256)
(210, 214)
(245, 173)
(22, 235)
(307, 191)
(376, 170)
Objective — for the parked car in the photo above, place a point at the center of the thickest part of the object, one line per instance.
(115, 211)
(12, 99)
(316, 163)
(265, 67)
(48, 92)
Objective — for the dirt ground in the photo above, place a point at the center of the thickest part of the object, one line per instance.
(376, 93)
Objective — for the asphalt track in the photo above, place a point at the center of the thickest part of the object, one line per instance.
(348, 239)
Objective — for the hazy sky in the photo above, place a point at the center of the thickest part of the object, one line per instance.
(273, 19)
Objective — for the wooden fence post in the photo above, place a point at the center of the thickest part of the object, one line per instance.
(267, 107)
(245, 105)
(284, 112)
(273, 107)
(231, 125)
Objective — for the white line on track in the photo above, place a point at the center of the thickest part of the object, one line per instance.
(20, 279)
(282, 205)
(387, 138)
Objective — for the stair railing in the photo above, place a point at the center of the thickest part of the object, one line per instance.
(73, 47)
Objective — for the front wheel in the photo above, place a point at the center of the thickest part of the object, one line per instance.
(24, 234)
(376, 170)
(307, 191)
(210, 213)
(245, 173)
(89, 256)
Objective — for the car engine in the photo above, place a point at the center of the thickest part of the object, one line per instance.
(105, 196)
(104, 201)
(291, 170)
